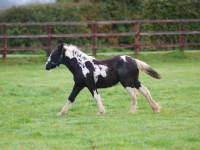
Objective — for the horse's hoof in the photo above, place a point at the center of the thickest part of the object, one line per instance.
(156, 111)
(132, 112)
(59, 114)
(101, 112)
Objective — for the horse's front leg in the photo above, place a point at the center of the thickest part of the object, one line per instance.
(97, 98)
(74, 93)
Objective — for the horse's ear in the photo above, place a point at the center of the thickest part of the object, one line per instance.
(61, 44)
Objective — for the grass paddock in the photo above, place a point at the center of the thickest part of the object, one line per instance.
(30, 98)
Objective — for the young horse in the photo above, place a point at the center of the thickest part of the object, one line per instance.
(93, 74)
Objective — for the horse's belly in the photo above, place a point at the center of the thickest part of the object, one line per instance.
(106, 82)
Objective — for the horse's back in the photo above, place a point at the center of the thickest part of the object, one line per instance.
(119, 69)
(126, 67)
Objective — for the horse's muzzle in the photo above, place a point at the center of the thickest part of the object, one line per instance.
(47, 69)
(49, 66)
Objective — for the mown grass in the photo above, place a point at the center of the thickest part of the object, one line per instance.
(30, 97)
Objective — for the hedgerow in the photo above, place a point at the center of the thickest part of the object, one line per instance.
(99, 10)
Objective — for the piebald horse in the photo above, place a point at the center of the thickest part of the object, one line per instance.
(93, 74)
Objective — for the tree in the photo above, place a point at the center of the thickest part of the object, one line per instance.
(58, 1)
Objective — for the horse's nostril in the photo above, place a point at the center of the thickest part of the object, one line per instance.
(47, 67)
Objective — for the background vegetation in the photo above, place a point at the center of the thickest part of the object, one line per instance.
(89, 10)
(30, 98)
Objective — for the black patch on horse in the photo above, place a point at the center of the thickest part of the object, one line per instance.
(93, 74)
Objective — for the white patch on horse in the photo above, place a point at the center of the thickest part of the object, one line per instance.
(134, 95)
(84, 69)
(123, 57)
(99, 70)
(49, 59)
(73, 52)
(65, 108)
(69, 49)
(98, 101)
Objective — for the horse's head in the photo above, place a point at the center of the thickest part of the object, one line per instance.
(55, 59)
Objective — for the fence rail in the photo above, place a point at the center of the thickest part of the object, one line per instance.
(94, 35)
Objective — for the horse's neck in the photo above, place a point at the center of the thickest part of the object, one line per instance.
(73, 61)
(68, 63)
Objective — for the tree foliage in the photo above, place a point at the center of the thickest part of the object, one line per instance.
(100, 10)
(171, 9)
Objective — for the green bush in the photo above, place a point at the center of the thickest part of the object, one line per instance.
(66, 11)
(173, 9)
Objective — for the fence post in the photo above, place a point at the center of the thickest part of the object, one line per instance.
(48, 39)
(94, 39)
(4, 42)
(136, 30)
(182, 36)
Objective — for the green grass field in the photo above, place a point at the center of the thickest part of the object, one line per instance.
(30, 98)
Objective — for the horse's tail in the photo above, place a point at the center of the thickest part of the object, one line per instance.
(147, 69)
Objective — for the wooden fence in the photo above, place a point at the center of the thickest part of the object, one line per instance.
(94, 35)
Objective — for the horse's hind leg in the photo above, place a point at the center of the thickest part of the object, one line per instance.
(155, 106)
(134, 95)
